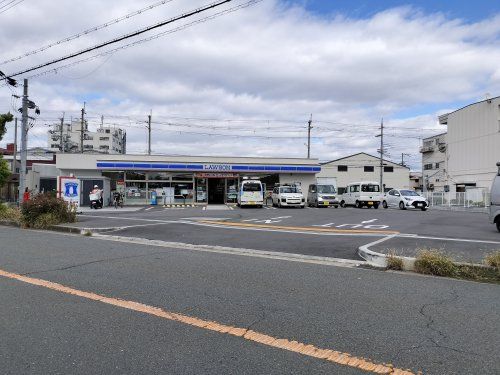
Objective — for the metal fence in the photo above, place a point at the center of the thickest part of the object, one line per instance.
(471, 198)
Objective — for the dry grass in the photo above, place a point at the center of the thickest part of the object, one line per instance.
(493, 259)
(434, 262)
(394, 262)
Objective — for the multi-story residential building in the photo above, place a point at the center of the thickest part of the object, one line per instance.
(106, 140)
(434, 161)
(472, 144)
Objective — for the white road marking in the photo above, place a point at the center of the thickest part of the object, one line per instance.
(150, 208)
(369, 221)
(328, 225)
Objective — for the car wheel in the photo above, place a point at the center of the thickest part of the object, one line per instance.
(384, 204)
(375, 206)
(402, 206)
(358, 204)
(336, 206)
(316, 204)
(342, 204)
(424, 208)
(279, 204)
(498, 225)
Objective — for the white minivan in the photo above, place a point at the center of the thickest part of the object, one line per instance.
(360, 194)
(495, 200)
(251, 193)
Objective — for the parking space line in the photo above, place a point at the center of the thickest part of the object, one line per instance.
(307, 229)
(329, 355)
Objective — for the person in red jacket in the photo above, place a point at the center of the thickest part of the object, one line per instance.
(26, 195)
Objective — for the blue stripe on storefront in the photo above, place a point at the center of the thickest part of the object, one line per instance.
(199, 167)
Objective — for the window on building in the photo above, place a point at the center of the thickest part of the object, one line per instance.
(369, 168)
(437, 165)
(105, 147)
(427, 166)
(389, 169)
(104, 138)
(107, 131)
(342, 168)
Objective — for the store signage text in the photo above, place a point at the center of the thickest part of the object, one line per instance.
(216, 175)
(216, 167)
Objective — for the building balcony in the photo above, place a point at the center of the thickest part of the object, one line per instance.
(425, 149)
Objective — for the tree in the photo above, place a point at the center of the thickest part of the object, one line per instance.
(4, 168)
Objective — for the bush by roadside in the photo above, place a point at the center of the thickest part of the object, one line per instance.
(45, 210)
(394, 262)
(10, 214)
(433, 262)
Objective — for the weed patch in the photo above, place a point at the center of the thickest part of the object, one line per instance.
(433, 262)
(394, 262)
(45, 210)
(493, 259)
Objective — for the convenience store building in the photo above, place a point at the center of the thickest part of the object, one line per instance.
(183, 179)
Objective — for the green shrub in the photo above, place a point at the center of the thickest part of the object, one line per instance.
(394, 262)
(433, 262)
(44, 210)
(493, 259)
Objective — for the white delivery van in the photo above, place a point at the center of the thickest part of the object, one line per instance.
(495, 200)
(360, 194)
(251, 193)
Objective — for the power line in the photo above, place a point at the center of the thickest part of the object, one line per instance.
(88, 31)
(3, 9)
(126, 36)
(156, 36)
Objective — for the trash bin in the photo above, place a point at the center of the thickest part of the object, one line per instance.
(154, 200)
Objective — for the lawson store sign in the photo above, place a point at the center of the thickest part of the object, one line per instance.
(229, 168)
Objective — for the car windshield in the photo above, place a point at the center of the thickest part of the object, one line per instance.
(409, 193)
(370, 188)
(326, 189)
(252, 186)
(289, 190)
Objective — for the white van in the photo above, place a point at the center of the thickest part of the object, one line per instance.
(495, 200)
(251, 193)
(364, 193)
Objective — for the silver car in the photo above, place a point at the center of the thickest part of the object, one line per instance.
(322, 196)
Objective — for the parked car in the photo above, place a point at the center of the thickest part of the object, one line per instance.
(320, 195)
(288, 196)
(360, 194)
(495, 200)
(251, 193)
(404, 198)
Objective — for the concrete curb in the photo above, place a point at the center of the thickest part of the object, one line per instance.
(379, 260)
(81, 230)
(8, 223)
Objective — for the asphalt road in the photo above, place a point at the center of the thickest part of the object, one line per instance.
(438, 326)
(338, 233)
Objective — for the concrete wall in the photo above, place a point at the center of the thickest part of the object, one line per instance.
(399, 178)
(474, 143)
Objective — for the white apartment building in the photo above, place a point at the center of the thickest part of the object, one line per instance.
(434, 161)
(473, 144)
(106, 140)
(365, 167)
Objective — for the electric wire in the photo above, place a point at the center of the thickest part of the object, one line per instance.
(4, 9)
(87, 31)
(126, 36)
(156, 36)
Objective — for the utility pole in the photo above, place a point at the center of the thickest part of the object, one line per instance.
(82, 130)
(149, 132)
(61, 134)
(14, 158)
(403, 159)
(309, 127)
(24, 142)
(381, 135)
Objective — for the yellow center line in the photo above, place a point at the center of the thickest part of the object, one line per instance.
(293, 346)
(308, 229)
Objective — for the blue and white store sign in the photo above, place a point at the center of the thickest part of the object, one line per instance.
(240, 168)
(69, 188)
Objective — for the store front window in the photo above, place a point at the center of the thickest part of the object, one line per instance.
(201, 190)
(231, 190)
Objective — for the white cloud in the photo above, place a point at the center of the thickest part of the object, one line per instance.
(265, 62)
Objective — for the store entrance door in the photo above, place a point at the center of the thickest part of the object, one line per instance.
(216, 189)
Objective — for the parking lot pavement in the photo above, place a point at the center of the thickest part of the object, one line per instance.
(325, 232)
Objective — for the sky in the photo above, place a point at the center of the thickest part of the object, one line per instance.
(246, 82)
